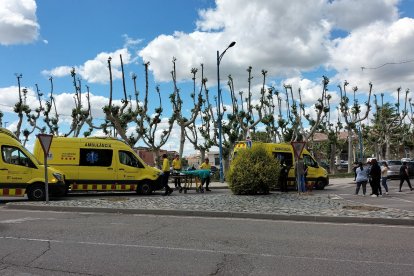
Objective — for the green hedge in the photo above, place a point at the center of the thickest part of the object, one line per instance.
(253, 171)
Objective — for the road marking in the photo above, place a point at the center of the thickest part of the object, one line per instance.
(237, 253)
(21, 220)
(284, 221)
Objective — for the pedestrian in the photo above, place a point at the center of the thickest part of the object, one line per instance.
(361, 179)
(166, 174)
(384, 176)
(369, 163)
(283, 176)
(375, 174)
(301, 176)
(308, 184)
(176, 164)
(206, 166)
(404, 176)
(354, 167)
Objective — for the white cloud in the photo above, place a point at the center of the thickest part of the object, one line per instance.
(371, 47)
(9, 96)
(131, 42)
(60, 71)
(96, 70)
(351, 14)
(18, 22)
(269, 35)
(290, 38)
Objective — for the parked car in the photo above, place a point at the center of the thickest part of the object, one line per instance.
(324, 165)
(394, 168)
(342, 164)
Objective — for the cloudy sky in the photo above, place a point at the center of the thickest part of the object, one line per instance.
(296, 41)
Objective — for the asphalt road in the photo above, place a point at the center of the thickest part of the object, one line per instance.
(57, 243)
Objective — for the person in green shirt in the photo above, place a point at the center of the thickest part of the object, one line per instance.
(176, 164)
(206, 166)
(166, 174)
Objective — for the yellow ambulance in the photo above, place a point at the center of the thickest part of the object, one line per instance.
(316, 175)
(101, 164)
(21, 173)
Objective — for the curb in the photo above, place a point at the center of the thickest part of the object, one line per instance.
(214, 214)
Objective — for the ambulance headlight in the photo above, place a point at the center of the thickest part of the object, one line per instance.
(58, 176)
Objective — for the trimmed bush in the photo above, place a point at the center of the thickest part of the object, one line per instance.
(253, 171)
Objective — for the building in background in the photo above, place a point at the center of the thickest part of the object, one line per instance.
(194, 160)
(149, 156)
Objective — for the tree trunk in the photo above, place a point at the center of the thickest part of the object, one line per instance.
(387, 147)
(350, 151)
(157, 158)
(182, 140)
(226, 165)
(332, 167)
(202, 155)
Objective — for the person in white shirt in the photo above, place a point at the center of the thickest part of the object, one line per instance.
(384, 176)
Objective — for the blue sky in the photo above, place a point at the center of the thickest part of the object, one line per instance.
(296, 41)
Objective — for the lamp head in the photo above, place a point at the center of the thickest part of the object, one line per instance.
(232, 44)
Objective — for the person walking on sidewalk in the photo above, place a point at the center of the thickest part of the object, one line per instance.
(361, 179)
(301, 175)
(166, 174)
(176, 164)
(283, 176)
(206, 166)
(354, 167)
(404, 176)
(369, 165)
(384, 176)
(375, 173)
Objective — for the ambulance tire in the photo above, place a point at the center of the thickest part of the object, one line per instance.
(320, 184)
(36, 192)
(144, 188)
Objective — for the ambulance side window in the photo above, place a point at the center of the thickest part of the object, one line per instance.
(128, 158)
(308, 160)
(96, 157)
(14, 156)
(285, 157)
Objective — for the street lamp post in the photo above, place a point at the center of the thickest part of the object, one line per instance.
(219, 114)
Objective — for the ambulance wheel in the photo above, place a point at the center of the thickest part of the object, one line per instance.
(320, 184)
(36, 193)
(144, 189)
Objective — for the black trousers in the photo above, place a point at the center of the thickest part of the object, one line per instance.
(205, 181)
(405, 178)
(165, 181)
(375, 184)
(364, 187)
(177, 181)
(283, 184)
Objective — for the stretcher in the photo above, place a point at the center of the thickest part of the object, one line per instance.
(187, 177)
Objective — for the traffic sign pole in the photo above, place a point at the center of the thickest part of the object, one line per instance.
(45, 142)
(297, 150)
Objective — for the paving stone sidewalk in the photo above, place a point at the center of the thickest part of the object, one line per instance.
(291, 204)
